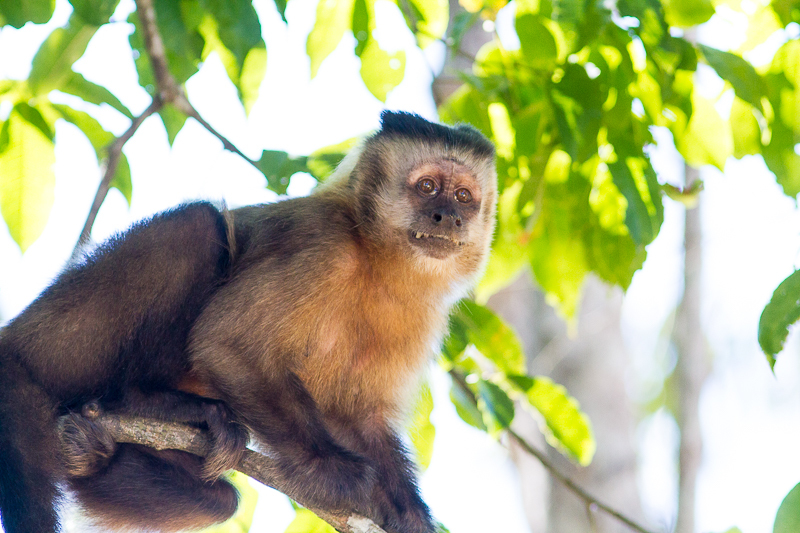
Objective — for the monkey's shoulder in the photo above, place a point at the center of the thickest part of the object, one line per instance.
(293, 227)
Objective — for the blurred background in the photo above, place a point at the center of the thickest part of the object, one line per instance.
(647, 158)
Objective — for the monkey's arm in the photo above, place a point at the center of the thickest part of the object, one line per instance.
(281, 413)
(396, 501)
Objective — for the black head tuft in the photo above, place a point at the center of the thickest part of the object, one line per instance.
(412, 126)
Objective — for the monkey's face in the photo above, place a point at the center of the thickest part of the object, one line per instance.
(445, 200)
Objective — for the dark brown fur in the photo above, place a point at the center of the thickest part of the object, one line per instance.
(309, 321)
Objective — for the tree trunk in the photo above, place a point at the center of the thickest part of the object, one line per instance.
(692, 366)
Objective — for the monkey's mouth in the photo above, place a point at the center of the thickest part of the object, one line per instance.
(422, 235)
(437, 245)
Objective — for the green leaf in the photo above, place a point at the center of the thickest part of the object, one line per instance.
(234, 33)
(421, 431)
(52, 64)
(707, 139)
(496, 406)
(27, 181)
(491, 336)
(140, 58)
(381, 71)
(536, 41)
(76, 85)
(173, 121)
(239, 28)
(253, 72)
(122, 178)
(782, 311)
(503, 132)
(745, 129)
(687, 13)
(334, 18)
(641, 217)
(784, 87)
(556, 249)
(614, 257)
(465, 408)
(17, 12)
(746, 82)
(440, 528)
(578, 111)
(178, 24)
(321, 163)
(509, 255)
(95, 12)
(361, 25)
(428, 20)
(243, 519)
(280, 5)
(467, 105)
(307, 522)
(100, 140)
(567, 428)
(787, 519)
(786, 10)
(278, 168)
(35, 118)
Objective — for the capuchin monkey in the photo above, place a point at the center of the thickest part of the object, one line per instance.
(305, 323)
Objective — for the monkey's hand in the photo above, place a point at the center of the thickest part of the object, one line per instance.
(333, 478)
(228, 440)
(400, 511)
(86, 446)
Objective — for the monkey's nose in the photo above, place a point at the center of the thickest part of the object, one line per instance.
(439, 215)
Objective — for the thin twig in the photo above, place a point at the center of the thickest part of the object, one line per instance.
(114, 152)
(184, 106)
(171, 436)
(168, 88)
(168, 92)
(553, 469)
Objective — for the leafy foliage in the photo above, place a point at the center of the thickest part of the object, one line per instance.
(782, 311)
(27, 182)
(421, 431)
(787, 520)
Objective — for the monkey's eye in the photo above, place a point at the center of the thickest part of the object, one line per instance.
(427, 186)
(463, 196)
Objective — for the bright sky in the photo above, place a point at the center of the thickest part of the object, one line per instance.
(751, 419)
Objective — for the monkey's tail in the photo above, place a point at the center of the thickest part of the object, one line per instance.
(30, 465)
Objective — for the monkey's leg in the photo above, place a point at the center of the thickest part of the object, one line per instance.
(155, 491)
(396, 503)
(29, 466)
(228, 437)
(283, 415)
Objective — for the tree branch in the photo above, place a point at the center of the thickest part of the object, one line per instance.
(169, 89)
(168, 92)
(591, 501)
(172, 436)
(112, 160)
